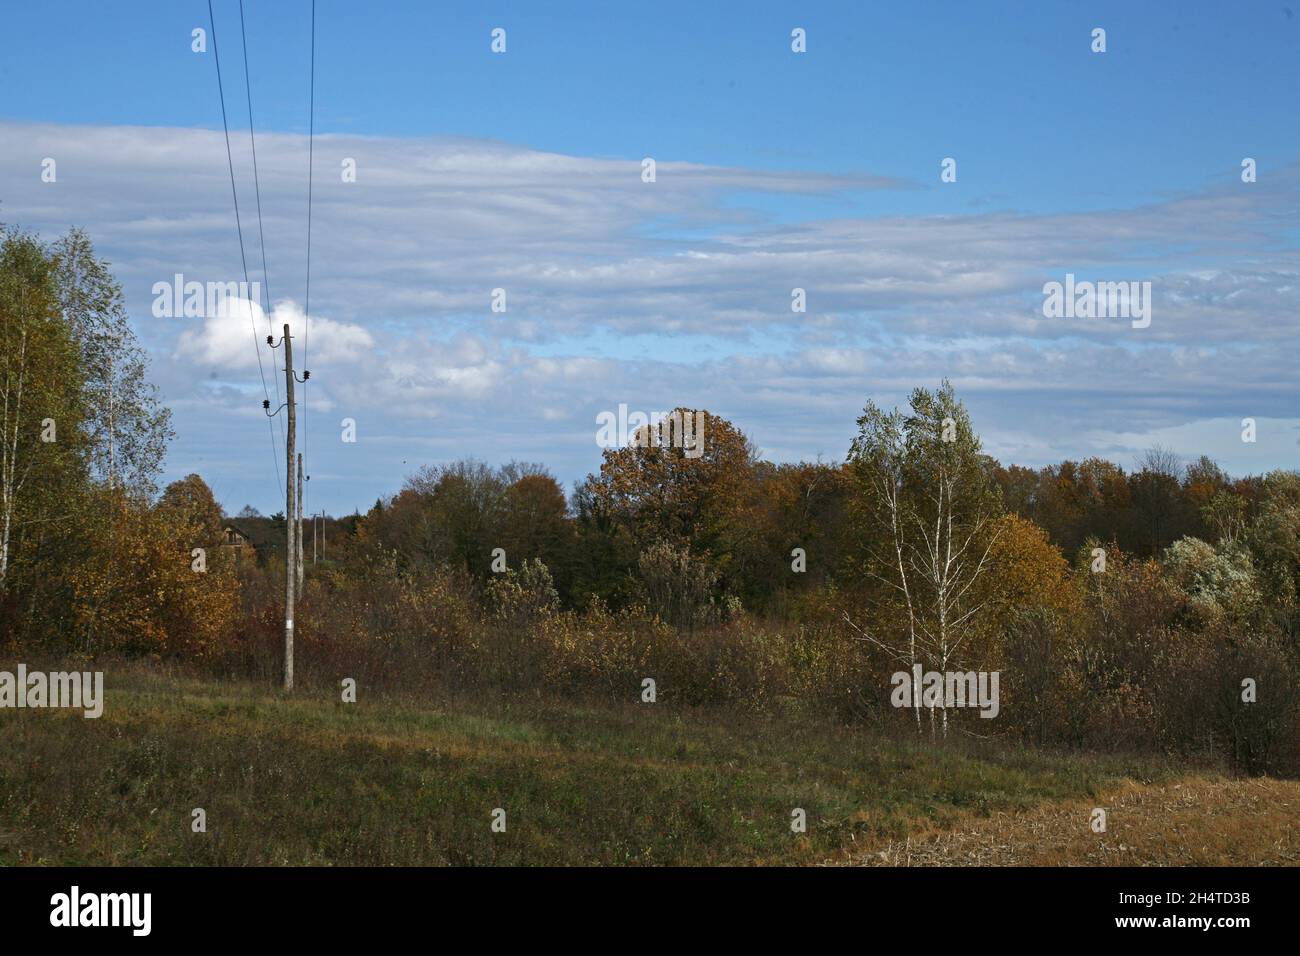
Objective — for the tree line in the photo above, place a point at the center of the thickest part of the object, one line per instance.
(1123, 608)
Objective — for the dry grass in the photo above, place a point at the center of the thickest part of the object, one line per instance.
(1194, 822)
(412, 780)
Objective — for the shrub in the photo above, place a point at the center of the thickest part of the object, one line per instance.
(523, 596)
(679, 587)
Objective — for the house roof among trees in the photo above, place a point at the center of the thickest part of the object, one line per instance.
(259, 532)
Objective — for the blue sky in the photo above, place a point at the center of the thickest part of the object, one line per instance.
(776, 169)
(1010, 88)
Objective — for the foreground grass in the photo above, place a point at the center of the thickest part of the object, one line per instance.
(308, 780)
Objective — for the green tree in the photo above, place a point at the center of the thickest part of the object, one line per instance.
(42, 441)
(127, 426)
(81, 428)
(1273, 539)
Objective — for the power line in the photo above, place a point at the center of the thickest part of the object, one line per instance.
(257, 189)
(311, 143)
(230, 162)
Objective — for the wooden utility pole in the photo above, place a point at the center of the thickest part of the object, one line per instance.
(290, 514)
(110, 421)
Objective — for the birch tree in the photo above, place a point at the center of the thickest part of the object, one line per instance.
(930, 507)
(126, 425)
(40, 397)
(80, 428)
(879, 460)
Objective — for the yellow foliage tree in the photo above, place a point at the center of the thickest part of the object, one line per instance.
(152, 582)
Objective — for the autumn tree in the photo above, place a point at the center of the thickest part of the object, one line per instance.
(139, 587)
(791, 531)
(456, 515)
(446, 515)
(677, 484)
(1021, 490)
(1032, 610)
(192, 504)
(80, 425)
(1156, 492)
(1076, 501)
(927, 506)
(535, 524)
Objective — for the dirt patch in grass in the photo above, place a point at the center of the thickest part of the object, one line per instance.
(1193, 822)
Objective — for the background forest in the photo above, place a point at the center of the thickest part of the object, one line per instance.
(1123, 608)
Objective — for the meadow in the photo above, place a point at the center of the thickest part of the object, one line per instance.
(411, 781)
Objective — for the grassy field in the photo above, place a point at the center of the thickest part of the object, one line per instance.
(309, 780)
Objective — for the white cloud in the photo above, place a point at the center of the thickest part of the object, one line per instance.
(232, 338)
(664, 293)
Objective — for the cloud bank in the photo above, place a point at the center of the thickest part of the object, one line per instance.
(656, 294)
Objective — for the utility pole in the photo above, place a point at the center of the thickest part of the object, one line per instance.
(290, 513)
(110, 421)
(292, 501)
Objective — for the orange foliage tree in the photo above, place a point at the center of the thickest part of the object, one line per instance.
(151, 580)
